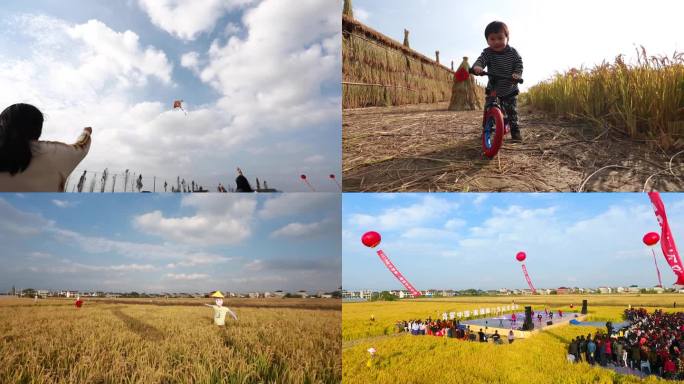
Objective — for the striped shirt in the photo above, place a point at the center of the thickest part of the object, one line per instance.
(504, 63)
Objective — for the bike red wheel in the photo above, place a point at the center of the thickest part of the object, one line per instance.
(492, 132)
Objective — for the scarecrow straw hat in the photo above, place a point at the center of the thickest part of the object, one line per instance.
(217, 294)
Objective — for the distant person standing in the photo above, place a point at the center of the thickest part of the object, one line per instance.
(219, 310)
(242, 183)
(30, 165)
(78, 303)
(511, 337)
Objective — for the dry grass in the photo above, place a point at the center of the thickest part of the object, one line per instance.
(644, 100)
(429, 148)
(52, 342)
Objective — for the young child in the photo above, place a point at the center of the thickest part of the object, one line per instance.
(503, 60)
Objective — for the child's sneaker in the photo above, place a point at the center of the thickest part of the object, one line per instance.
(516, 136)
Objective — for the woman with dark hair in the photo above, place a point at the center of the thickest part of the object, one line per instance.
(29, 165)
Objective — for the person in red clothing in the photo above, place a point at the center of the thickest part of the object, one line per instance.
(669, 368)
(78, 302)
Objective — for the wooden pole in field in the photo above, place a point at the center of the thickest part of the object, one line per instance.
(347, 10)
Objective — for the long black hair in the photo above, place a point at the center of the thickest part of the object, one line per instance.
(19, 125)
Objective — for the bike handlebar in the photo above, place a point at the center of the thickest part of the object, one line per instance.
(484, 73)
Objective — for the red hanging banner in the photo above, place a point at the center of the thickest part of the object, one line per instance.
(397, 274)
(667, 243)
(527, 277)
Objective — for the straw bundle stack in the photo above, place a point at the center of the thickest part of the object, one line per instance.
(379, 71)
(466, 95)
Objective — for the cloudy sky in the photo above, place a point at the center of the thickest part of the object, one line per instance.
(469, 240)
(260, 80)
(172, 243)
(550, 36)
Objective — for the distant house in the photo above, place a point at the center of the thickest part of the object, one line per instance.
(365, 294)
(253, 295)
(303, 293)
(563, 290)
(605, 289)
(279, 293)
(428, 293)
(634, 289)
(42, 293)
(621, 290)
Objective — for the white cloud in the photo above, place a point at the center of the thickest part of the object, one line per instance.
(428, 209)
(16, 222)
(272, 78)
(40, 255)
(255, 265)
(61, 203)
(361, 14)
(295, 203)
(302, 229)
(454, 224)
(199, 259)
(186, 19)
(190, 60)
(117, 55)
(231, 29)
(217, 221)
(188, 276)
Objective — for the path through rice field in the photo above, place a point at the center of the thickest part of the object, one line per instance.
(429, 148)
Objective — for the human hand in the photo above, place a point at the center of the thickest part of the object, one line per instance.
(477, 70)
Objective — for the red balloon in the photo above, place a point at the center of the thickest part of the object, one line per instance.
(370, 239)
(520, 256)
(651, 239)
(303, 177)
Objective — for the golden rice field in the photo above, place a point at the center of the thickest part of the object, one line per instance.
(644, 100)
(427, 359)
(52, 342)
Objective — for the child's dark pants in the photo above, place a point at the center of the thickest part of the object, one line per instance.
(510, 105)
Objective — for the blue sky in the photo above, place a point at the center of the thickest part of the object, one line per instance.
(469, 240)
(171, 243)
(550, 35)
(260, 81)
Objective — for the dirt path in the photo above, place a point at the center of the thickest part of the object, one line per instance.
(428, 148)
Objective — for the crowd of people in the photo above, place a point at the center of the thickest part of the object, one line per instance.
(652, 344)
(450, 329)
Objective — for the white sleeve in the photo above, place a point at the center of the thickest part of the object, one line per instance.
(66, 157)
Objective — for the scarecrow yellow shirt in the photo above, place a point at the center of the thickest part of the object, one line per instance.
(220, 314)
